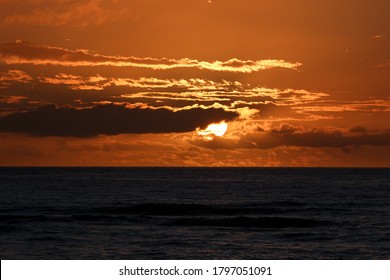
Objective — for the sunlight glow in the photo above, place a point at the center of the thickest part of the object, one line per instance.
(214, 129)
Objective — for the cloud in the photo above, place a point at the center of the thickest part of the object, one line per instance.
(295, 136)
(232, 92)
(358, 129)
(27, 53)
(371, 105)
(61, 12)
(379, 36)
(334, 139)
(76, 82)
(110, 120)
(13, 76)
(251, 102)
(12, 99)
(99, 82)
(384, 64)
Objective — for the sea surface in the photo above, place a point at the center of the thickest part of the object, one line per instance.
(194, 213)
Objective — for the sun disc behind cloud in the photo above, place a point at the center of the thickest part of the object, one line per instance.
(214, 129)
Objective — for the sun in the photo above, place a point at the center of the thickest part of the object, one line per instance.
(214, 129)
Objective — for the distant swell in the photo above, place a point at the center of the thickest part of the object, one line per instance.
(10, 219)
(173, 209)
(179, 214)
(16, 219)
(263, 222)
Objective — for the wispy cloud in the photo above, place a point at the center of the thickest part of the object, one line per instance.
(60, 12)
(26, 53)
(13, 76)
(99, 82)
(13, 99)
(372, 105)
(384, 64)
(379, 36)
(253, 102)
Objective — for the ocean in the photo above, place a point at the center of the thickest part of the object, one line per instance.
(194, 213)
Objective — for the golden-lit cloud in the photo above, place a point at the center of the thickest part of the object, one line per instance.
(14, 76)
(194, 89)
(75, 82)
(27, 53)
(12, 99)
(99, 82)
(373, 105)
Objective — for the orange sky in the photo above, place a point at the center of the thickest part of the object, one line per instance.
(132, 83)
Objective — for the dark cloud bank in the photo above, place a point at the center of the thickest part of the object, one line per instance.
(109, 119)
(289, 136)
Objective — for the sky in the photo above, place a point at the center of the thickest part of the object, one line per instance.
(195, 83)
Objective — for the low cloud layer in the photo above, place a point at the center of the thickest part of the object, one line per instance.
(109, 120)
(290, 136)
(27, 53)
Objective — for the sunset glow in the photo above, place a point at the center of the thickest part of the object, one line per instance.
(150, 83)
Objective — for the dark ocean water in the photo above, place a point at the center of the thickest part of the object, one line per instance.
(194, 213)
